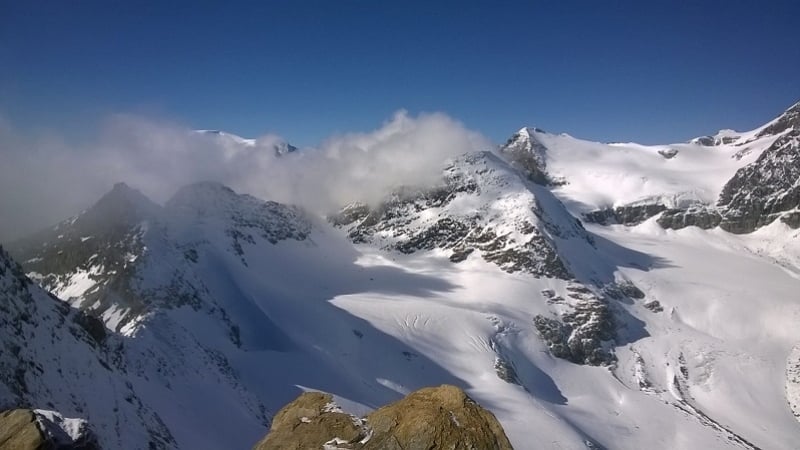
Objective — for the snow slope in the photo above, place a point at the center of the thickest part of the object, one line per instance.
(596, 176)
(220, 307)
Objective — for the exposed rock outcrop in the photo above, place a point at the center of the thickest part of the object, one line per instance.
(668, 153)
(766, 190)
(698, 216)
(763, 191)
(760, 192)
(625, 215)
(483, 208)
(584, 334)
(24, 429)
(526, 154)
(18, 430)
(441, 417)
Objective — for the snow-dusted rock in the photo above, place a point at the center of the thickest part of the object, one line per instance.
(483, 207)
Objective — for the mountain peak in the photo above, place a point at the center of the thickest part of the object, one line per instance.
(122, 205)
(128, 197)
(527, 153)
(530, 131)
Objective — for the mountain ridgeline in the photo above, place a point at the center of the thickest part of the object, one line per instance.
(759, 193)
(547, 278)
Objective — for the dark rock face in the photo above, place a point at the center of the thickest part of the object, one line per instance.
(112, 240)
(654, 306)
(506, 371)
(628, 215)
(526, 154)
(248, 215)
(698, 216)
(44, 339)
(706, 141)
(758, 194)
(580, 334)
(791, 219)
(762, 191)
(441, 417)
(668, 153)
(108, 235)
(412, 220)
(621, 289)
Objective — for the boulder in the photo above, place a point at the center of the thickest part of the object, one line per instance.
(441, 417)
(19, 431)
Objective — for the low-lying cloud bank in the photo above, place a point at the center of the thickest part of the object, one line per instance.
(43, 179)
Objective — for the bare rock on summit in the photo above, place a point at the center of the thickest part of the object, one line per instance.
(310, 422)
(18, 430)
(437, 417)
(24, 429)
(441, 417)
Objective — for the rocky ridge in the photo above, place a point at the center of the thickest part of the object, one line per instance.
(485, 208)
(95, 260)
(528, 155)
(46, 343)
(127, 269)
(481, 207)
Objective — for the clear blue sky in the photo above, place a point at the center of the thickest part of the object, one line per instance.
(648, 71)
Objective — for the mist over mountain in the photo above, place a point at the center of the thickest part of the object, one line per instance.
(159, 157)
(587, 294)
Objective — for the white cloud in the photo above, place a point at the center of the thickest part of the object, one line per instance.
(43, 180)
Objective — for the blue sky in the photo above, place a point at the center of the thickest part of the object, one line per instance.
(647, 71)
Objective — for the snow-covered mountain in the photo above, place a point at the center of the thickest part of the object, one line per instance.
(558, 281)
(738, 181)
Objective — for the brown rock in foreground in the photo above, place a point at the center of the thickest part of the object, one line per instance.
(443, 417)
(18, 431)
(24, 429)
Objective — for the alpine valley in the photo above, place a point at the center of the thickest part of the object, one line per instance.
(589, 295)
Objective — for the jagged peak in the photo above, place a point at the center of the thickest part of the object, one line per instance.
(524, 151)
(127, 196)
(122, 205)
(525, 137)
